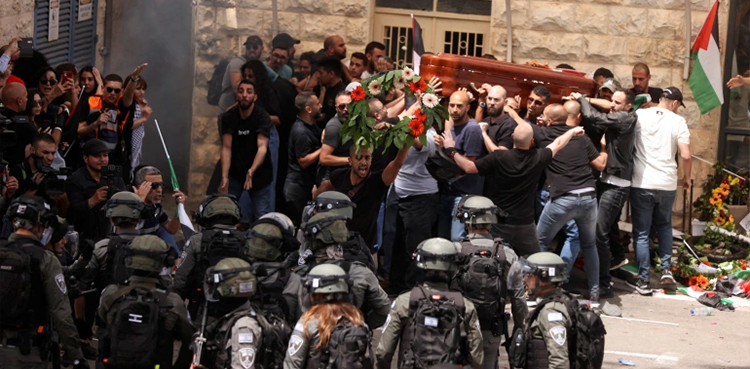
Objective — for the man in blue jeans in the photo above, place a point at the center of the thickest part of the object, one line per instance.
(572, 189)
(659, 134)
(246, 169)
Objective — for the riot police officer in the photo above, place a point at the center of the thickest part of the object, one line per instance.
(545, 331)
(144, 315)
(325, 233)
(427, 320)
(30, 301)
(487, 288)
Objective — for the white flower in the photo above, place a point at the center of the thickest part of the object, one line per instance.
(398, 83)
(407, 74)
(374, 88)
(429, 100)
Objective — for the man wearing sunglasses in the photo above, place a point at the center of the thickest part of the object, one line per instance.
(535, 103)
(233, 75)
(277, 62)
(148, 184)
(334, 153)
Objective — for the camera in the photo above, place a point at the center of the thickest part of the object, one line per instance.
(109, 173)
(8, 137)
(52, 183)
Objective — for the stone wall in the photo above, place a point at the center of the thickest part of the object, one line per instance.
(16, 19)
(220, 28)
(616, 34)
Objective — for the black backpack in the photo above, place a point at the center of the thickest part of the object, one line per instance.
(434, 331)
(481, 279)
(272, 279)
(117, 250)
(136, 336)
(585, 340)
(216, 244)
(21, 286)
(215, 83)
(349, 347)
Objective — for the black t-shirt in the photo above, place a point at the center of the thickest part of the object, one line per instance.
(245, 144)
(501, 132)
(511, 178)
(303, 139)
(340, 149)
(655, 93)
(329, 102)
(570, 169)
(368, 198)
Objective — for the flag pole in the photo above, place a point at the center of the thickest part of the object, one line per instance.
(175, 184)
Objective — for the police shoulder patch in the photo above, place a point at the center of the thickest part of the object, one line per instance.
(247, 357)
(559, 334)
(60, 281)
(295, 343)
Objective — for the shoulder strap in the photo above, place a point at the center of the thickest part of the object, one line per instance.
(353, 191)
(500, 249)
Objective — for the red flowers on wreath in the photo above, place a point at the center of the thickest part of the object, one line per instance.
(417, 127)
(419, 116)
(419, 86)
(358, 94)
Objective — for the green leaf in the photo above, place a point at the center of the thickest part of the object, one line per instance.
(416, 78)
(423, 138)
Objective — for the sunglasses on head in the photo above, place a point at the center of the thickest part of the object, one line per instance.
(536, 102)
(50, 82)
(115, 90)
(155, 185)
(341, 106)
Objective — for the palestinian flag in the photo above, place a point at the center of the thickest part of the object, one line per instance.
(417, 44)
(705, 80)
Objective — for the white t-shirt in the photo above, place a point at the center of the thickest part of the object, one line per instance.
(656, 136)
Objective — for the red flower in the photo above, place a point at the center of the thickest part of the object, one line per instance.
(419, 116)
(358, 94)
(724, 181)
(419, 86)
(417, 128)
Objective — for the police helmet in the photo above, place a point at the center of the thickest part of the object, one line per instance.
(27, 211)
(125, 205)
(269, 239)
(474, 210)
(547, 266)
(147, 253)
(326, 282)
(326, 229)
(332, 202)
(436, 254)
(282, 220)
(230, 277)
(216, 206)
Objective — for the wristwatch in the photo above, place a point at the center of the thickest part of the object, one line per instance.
(482, 104)
(451, 151)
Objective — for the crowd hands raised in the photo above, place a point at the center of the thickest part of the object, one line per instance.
(304, 237)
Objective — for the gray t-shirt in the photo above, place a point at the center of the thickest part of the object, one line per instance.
(228, 95)
(413, 179)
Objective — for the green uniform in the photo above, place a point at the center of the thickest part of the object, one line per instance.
(176, 320)
(517, 298)
(400, 314)
(57, 308)
(188, 259)
(550, 328)
(301, 344)
(97, 270)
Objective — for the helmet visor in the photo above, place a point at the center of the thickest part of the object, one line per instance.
(517, 271)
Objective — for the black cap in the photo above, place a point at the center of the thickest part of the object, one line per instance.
(673, 93)
(253, 40)
(94, 146)
(284, 40)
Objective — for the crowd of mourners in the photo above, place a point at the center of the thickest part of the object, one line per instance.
(304, 240)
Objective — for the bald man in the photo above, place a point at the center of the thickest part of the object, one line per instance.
(572, 189)
(14, 100)
(468, 140)
(498, 126)
(335, 46)
(514, 175)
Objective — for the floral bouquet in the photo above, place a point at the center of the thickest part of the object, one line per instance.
(360, 127)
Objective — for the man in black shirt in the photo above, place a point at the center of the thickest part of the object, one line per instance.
(641, 77)
(14, 100)
(330, 71)
(304, 150)
(514, 175)
(87, 192)
(32, 173)
(572, 190)
(366, 190)
(246, 170)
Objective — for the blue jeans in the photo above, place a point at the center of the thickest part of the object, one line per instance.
(448, 227)
(254, 203)
(572, 245)
(582, 210)
(651, 208)
(273, 148)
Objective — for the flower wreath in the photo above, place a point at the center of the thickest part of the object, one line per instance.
(360, 128)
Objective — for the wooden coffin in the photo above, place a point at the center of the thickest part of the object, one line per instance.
(459, 71)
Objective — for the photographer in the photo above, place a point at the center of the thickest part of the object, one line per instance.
(88, 188)
(37, 177)
(14, 100)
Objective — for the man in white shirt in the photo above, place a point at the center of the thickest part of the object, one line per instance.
(658, 136)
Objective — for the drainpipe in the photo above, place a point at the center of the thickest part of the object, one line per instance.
(688, 26)
(275, 22)
(509, 52)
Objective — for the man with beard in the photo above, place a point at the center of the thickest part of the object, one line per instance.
(498, 126)
(641, 77)
(373, 51)
(246, 170)
(365, 189)
(468, 141)
(149, 186)
(32, 173)
(334, 153)
(334, 46)
(330, 83)
(233, 74)
(607, 89)
(304, 151)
